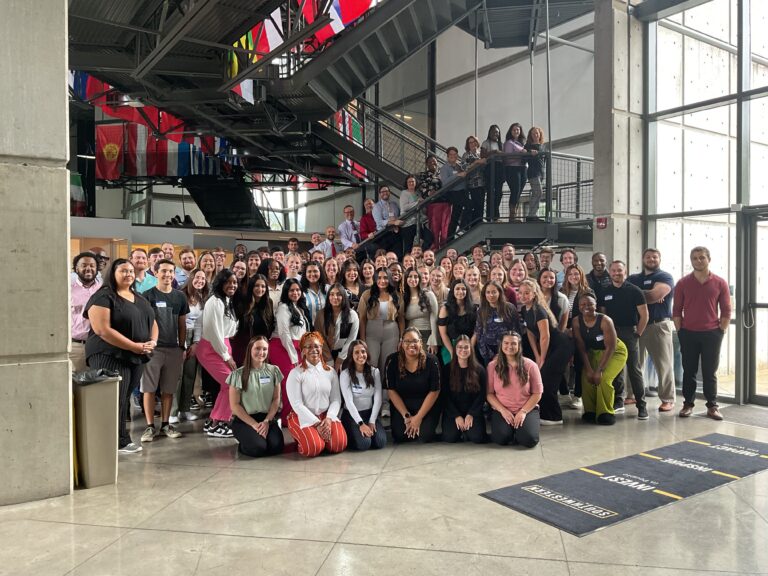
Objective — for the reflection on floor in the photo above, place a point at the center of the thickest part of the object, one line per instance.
(192, 506)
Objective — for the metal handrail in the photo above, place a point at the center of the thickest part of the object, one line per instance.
(404, 125)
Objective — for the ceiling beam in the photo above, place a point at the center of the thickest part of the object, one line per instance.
(652, 10)
(199, 11)
(125, 62)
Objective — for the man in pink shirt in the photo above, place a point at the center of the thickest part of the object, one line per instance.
(83, 286)
(700, 327)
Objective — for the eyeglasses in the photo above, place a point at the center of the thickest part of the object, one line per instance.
(411, 342)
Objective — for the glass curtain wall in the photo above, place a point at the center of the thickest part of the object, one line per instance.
(707, 146)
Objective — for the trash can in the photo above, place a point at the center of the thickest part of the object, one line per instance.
(96, 427)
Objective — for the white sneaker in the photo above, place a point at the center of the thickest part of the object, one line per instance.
(173, 419)
(130, 449)
(189, 416)
(576, 403)
(564, 399)
(550, 422)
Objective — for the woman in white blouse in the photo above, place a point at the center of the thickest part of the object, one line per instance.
(338, 324)
(291, 323)
(361, 390)
(315, 398)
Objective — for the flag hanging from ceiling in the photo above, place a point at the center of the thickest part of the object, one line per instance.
(109, 151)
(262, 38)
(77, 202)
(342, 13)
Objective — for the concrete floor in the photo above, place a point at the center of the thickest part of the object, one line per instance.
(192, 506)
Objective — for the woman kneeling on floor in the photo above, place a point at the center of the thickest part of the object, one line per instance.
(313, 391)
(254, 397)
(514, 391)
(604, 357)
(361, 389)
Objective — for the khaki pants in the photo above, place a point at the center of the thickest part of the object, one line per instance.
(657, 341)
(77, 357)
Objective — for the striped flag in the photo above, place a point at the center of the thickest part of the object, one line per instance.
(264, 37)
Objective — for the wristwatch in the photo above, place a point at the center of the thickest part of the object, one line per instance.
(407, 415)
(359, 422)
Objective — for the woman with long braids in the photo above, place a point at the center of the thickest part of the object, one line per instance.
(254, 398)
(215, 351)
(552, 350)
(412, 378)
(291, 323)
(313, 393)
(338, 324)
(495, 317)
(421, 310)
(463, 395)
(457, 318)
(514, 391)
(274, 272)
(381, 318)
(361, 389)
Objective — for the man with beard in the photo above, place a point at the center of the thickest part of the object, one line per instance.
(657, 286)
(598, 278)
(508, 255)
(188, 262)
(144, 281)
(429, 258)
(83, 286)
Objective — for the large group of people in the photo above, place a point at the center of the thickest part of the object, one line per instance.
(482, 347)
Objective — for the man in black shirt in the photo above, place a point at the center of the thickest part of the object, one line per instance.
(625, 304)
(164, 369)
(598, 278)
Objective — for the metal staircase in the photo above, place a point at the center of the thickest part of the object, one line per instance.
(388, 147)
(320, 84)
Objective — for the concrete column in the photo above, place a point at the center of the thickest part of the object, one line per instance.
(35, 397)
(618, 192)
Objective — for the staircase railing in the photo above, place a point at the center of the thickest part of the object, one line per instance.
(390, 139)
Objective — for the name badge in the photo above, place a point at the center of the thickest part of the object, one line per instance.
(608, 297)
(160, 304)
(265, 380)
(499, 320)
(599, 337)
(648, 282)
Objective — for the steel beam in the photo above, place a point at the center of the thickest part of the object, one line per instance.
(652, 10)
(198, 12)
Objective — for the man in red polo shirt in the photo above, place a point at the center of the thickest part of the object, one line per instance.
(700, 327)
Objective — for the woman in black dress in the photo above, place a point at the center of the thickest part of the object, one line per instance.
(457, 317)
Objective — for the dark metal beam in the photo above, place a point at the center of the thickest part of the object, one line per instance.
(125, 62)
(199, 11)
(652, 10)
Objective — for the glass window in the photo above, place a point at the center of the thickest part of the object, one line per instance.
(759, 24)
(758, 117)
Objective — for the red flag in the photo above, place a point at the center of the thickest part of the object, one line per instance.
(109, 151)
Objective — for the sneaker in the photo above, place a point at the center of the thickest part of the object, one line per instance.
(173, 419)
(550, 422)
(564, 399)
(385, 413)
(642, 412)
(209, 400)
(576, 403)
(193, 405)
(129, 449)
(221, 431)
(189, 416)
(652, 393)
(170, 431)
(149, 434)
(137, 402)
(208, 425)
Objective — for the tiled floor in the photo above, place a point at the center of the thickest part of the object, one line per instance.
(192, 506)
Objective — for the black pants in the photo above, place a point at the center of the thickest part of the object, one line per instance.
(254, 444)
(552, 373)
(476, 203)
(428, 429)
(208, 383)
(460, 211)
(407, 234)
(515, 177)
(630, 338)
(356, 440)
(130, 375)
(704, 346)
(476, 432)
(494, 178)
(527, 435)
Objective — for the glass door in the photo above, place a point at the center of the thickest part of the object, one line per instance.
(756, 312)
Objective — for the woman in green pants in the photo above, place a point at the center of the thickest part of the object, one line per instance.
(604, 357)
